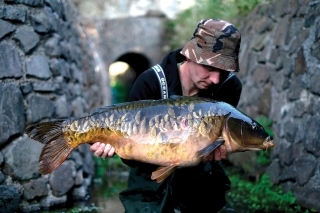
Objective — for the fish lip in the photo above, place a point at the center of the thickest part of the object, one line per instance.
(268, 143)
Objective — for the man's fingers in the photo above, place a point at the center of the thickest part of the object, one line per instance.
(94, 146)
(106, 151)
(100, 150)
(111, 152)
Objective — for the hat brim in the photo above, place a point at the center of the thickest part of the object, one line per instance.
(207, 57)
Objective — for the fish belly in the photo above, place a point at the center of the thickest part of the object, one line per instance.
(168, 148)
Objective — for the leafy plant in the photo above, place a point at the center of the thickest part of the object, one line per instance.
(180, 29)
(260, 196)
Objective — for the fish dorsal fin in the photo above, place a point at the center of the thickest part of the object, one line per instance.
(163, 172)
(208, 149)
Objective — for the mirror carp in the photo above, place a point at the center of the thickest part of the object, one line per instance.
(171, 133)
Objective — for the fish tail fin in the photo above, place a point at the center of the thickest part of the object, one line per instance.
(55, 150)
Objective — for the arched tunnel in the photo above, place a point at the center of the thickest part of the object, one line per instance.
(123, 72)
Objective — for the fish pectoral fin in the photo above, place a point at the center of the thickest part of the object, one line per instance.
(163, 172)
(207, 150)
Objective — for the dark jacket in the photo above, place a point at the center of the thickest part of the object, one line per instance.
(196, 189)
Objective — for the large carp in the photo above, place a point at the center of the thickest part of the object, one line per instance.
(171, 133)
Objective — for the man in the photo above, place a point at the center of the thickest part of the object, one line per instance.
(204, 68)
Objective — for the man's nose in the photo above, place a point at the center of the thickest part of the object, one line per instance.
(215, 77)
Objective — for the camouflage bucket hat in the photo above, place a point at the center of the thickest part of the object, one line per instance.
(215, 43)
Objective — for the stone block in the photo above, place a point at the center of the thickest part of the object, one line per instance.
(41, 22)
(51, 200)
(6, 28)
(21, 159)
(26, 2)
(300, 65)
(10, 199)
(312, 136)
(13, 14)
(62, 180)
(38, 67)
(10, 66)
(27, 38)
(12, 118)
(305, 166)
(40, 107)
(62, 108)
(52, 47)
(35, 188)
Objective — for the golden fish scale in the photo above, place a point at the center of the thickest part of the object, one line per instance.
(163, 134)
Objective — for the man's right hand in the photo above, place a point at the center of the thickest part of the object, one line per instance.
(102, 150)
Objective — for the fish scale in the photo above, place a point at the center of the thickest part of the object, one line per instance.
(171, 133)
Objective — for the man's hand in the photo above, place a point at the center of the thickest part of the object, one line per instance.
(217, 154)
(102, 150)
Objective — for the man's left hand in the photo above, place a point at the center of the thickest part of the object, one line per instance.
(217, 154)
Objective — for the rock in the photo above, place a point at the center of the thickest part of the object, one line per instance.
(80, 193)
(52, 47)
(10, 62)
(79, 178)
(62, 179)
(274, 171)
(62, 108)
(2, 177)
(26, 88)
(6, 28)
(21, 159)
(27, 207)
(45, 86)
(307, 197)
(88, 163)
(315, 86)
(305, 166)
(11, 112)
(312, 137)
(60, 68)
(39, 108)
(10, 199)
(35, 188)
(26, 2)
(13, 14)
(58, 7)
(51, 200)
(41, 22)
(38, 67)
(1, 158)
(27, 38)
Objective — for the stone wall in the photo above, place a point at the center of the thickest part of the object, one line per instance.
(280, 71)
(49, 69)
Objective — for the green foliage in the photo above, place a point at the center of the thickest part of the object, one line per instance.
(264, 155)
(86, 209)
(111, 185)
(266, 123)
(260, 196)
(180, 29)
(102, 165)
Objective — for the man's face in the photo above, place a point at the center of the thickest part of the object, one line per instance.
(203, 76)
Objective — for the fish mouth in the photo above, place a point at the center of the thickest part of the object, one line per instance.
(268, 143)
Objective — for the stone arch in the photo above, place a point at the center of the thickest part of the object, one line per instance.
(137, 61)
